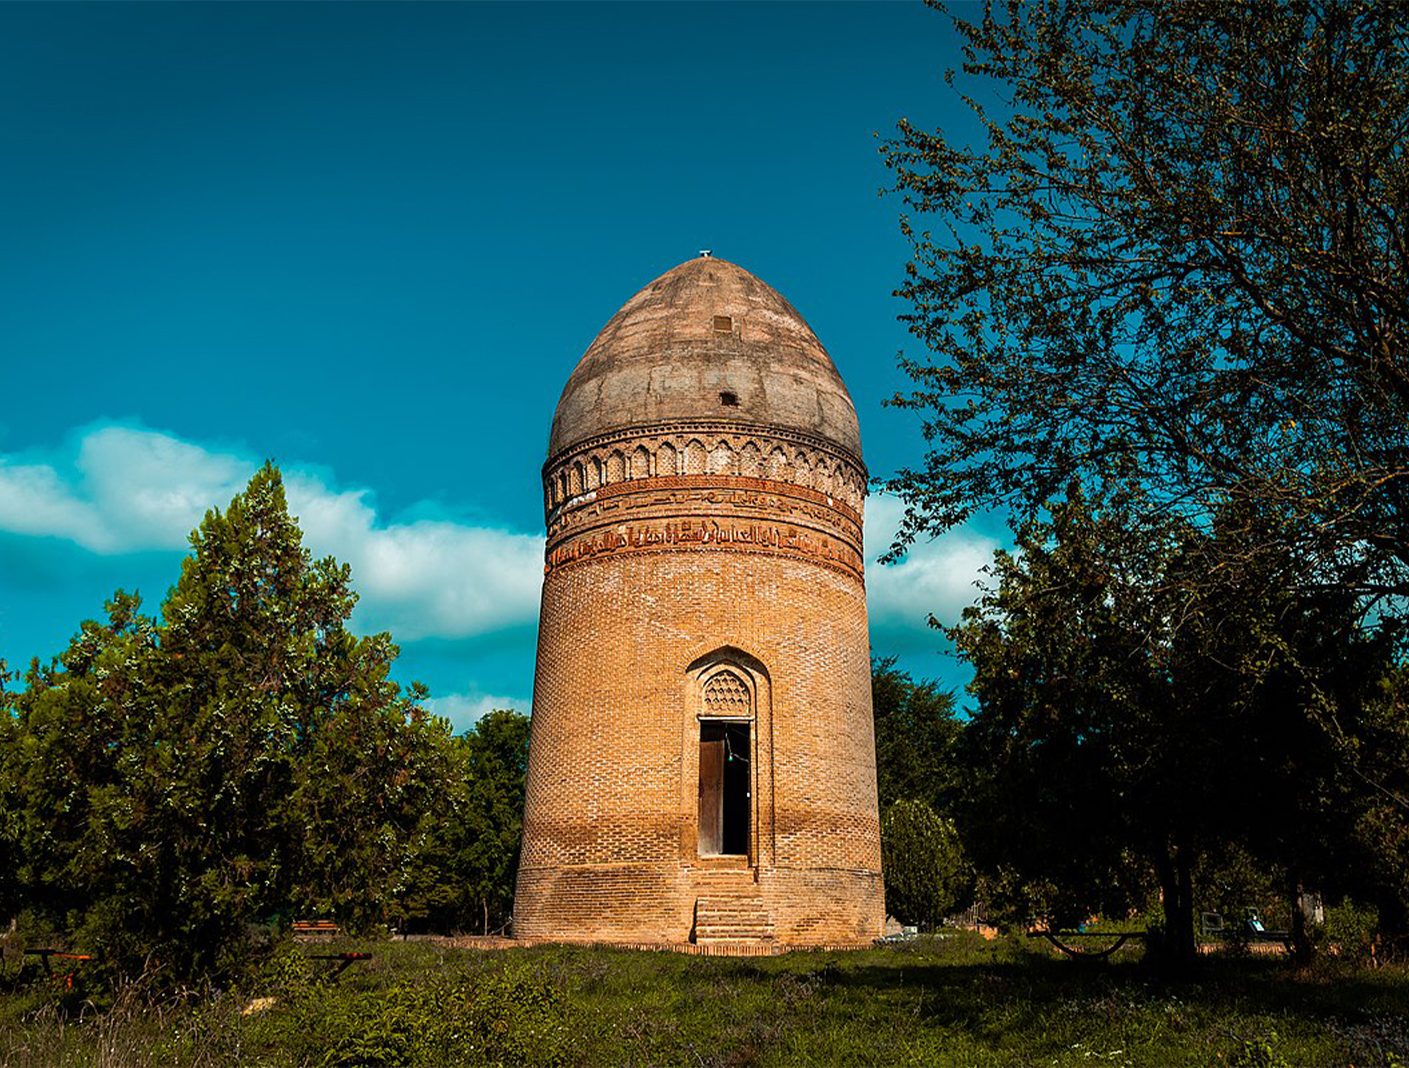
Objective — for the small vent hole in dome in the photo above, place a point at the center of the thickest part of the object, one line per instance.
(723, 324)
(729, 400)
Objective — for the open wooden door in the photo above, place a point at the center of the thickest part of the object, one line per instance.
(711, 841)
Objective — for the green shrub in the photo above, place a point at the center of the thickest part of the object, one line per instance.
(287, 974)
(923, 863)
(1260, 1052)
(1352, 928)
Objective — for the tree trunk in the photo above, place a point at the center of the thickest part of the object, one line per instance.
(485, 902)
(1301, 939)
(1175, 869)
(1188, 948)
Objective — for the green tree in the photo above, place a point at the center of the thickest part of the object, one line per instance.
(925, 872)
(1073, 751)
(917, 733)
(435, 894)
(1287, 680)
(74, 729)
(498, 765)
(1131, 721)
(10, 900)
(462, 878)
(1182, 250)
(1369, 858)
(243, 757)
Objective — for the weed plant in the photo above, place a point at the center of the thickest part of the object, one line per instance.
(950, 999)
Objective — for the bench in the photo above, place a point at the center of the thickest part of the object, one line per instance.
(1212, 926)
(46, 954)
(315, 927)
(1121, 937)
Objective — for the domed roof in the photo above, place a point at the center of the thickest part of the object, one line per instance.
(706, 341)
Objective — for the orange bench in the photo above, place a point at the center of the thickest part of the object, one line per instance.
(315, 927)
(67, 977)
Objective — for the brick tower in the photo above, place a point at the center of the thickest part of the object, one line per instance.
(702, 765)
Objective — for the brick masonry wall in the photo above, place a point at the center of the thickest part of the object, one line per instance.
(630, 635)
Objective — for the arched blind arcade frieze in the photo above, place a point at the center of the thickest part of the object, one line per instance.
(751, 460)
(721, 460)
(668, 456)
(665, 460)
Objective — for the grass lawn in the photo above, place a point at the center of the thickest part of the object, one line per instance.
(949, 1000)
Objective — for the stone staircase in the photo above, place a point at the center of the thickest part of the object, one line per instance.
(730, 912)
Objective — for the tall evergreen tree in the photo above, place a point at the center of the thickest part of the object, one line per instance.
(242, 758)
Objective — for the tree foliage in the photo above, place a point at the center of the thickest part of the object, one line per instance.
(1182, 251)
(918, 779)
(10, 819)
(917, 733)
(498, 764)
(242, 759)
(463, 876)
(1130, 723)
(925, 871)
(1070, 760)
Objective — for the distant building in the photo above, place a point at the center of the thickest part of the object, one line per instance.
(702, 765)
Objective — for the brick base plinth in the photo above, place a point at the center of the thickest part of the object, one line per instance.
(638, 904)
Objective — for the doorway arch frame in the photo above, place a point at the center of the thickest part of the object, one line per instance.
(757, 678)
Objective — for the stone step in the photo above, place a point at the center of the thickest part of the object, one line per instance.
(733, 933)
(732, 918)
(725, 878)
(735, 940)
(705, 919)
(762, 923)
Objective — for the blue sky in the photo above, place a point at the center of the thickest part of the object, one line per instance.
(371, 241)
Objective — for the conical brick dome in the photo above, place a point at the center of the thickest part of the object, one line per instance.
(706, 340)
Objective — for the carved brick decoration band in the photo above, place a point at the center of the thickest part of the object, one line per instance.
(704, 495)
(748, 536)
(705, 487)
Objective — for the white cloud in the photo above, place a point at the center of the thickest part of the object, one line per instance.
(150, 490)
(935, 577)
(34, 500)
(129, 489)
(464, 710)
(429, 578)
(125, 490)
